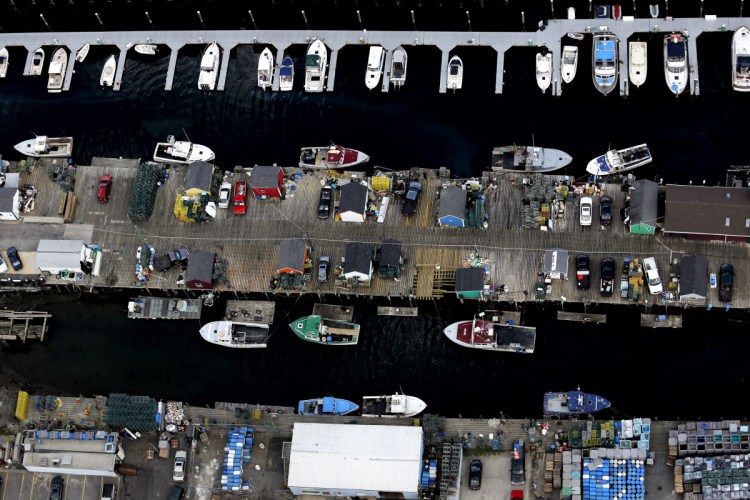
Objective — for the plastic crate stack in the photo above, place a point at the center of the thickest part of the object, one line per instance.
(633, 434)
(237, 452)
(612, 476)
(720, 477)
(571, 475)
(429, 474)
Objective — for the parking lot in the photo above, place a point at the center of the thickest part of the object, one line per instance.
(23, 485)
(495, 477)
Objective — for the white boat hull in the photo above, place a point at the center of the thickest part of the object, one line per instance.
(611, 163)
(569, 64)
(82, 53)
(46, 147)
(182, 152)
(375, 63)
(544, 71)
(413, 406)
(605, 62)
(265, 69)
(399, 59)
(315, 76)
(57, 67)
(37, 62)
(108, 72)
(741, 60)
(3, 62)
(286, 75)
(145, 49)
(675, 71)
(209, 68)
(224, 333)
(455, 78)
(637, 62)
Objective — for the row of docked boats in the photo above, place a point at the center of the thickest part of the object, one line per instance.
(387, 406)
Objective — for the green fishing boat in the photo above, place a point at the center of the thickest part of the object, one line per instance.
(326, 331)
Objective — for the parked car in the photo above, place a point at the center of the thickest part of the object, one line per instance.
(605, 211)
(726, 282)
(324, 205)
(586, 210)
(14, 259)
(109, 492)
(3, 265)
(652, 276)
(475, 474)
(180, 457)
(56, 488)
(324, 265)
(412, 198)
(583, 275)
(225, 194)
(516, 495)
(240, 198)
(607, 281)
(176, 493)
(105, 186)
(518, 463)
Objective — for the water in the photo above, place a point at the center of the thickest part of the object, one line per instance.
(93, 348)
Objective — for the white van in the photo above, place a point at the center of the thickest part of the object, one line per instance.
(586, 211)
(652, 276)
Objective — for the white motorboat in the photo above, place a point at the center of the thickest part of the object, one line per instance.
(569, 63)
(316, 63)
(37, 62)
(333, 156)
(492, 336)
(265, 69)
(108, 72)
(571, 12)
(653, 9)
(544, 71)
(617, 162)
(46, 147)
(637, 62)
(455, 77)
(605, 61)
(286, 74)
(235, 334)
(3, 62)
(399, 59)
(741, 60)
(56, 71)
(146, 49)
(181, 152)
(209, 68)
(675, 62)
(82, 53)
(375, 62)
(575, 35)
(392, 406)
(529, 159)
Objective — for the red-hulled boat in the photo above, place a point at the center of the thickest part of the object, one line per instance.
(492, 336)
(332, 156)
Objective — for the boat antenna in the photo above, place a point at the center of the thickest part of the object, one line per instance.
(532, 141)
(183, 131)
(34, 133)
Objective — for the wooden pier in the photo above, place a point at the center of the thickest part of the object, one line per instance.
(398, 311)
(23, 325)
(661, 320)
(581, 317)
(164, 308)
(253, 311)
(334, 312)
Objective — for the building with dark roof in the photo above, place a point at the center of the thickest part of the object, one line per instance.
(470, 282)
(292, 257)
(693, 284)
(555, 264)
(353, 202)
(708, 213)
(644, 207)
(389, 263)
(267, 181)
(452, 207)
(358, 263)
(200, 271)
(9, 198)
(198, 178)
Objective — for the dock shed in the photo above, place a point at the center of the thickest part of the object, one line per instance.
(389, 263)
(9, 198)
(292, 257)
(693, 284)
(89, 453)
(470, 282)
(358, 263)
(555, 264)
(452, 207)
(53, 256)
(353, 202)
(266, 182)
(198, 179)
(200, 271)
(362, 461)
(644, 206)
(708, 213)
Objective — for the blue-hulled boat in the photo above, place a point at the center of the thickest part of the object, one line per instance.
(326, 406)
(605, 62)
(573, 403)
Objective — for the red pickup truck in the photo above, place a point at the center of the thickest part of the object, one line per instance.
(240, 198)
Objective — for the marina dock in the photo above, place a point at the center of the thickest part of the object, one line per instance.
(581, 317)
(398, 311)
(24, 325)
(253, 311)
(334, 312)
(164, 308)
(661, 320)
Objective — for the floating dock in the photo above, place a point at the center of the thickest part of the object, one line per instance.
(581, 317)
(252, 311)
(661, 320)
(333, 312)
(164, 308)
(23, 326)
(397, 311)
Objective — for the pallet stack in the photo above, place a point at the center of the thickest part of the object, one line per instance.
(549, 468)
(557, 471)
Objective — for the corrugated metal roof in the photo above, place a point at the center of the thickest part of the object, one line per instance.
(60, 246)
(452, 202)
(644, 199)
(364, 457)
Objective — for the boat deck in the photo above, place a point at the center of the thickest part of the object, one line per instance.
(165, 308)
(501, 337)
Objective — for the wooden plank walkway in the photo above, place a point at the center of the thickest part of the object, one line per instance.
(581, 317)
(398, 311)
(255, 311)
(334, 312)
(661, 320)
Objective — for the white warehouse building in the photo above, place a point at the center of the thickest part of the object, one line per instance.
(355, 460)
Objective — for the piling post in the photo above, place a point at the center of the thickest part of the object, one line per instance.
(443, 71)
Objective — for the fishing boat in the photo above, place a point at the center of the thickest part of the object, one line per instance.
(375, 62)
(544, 71)
(333, 156)
(82, 53)
(3, 62)
(455, 73)
(56, 71)
(605, 61)
(37, 62)
(637, 62)
(235, 334)
(399, 59)
(286, 75)
(741, 60)
(108, 72)
(146, 49)
(316, 62)
(209, 68)
(616, 11)
(675, 62)
(46, 147)
(529, 159)
(397, 405)
(492, 336)
(265, 69)
(321, 330)
(653, 9)
(181, 152)
(569, 63)
(619, 161)
(326, 406)
(573, 403)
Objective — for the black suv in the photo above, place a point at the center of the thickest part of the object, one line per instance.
(475, 474)
(583, 276)
(605, 211)
(324, 206)
(518, 463)
(726, 282)
(56, 488)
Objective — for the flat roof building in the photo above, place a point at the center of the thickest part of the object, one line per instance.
(89, 453)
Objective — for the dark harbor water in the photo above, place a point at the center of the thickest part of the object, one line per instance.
(93, 348)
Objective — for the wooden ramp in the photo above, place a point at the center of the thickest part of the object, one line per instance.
(334, 312)
(397, 311)
(661, 321)
(254, 311)
(581, 317)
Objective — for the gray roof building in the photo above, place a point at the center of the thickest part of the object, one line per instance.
(7, 199)
(358, 258)
(693, 277)
(199, 176)
(353, 198)
(556, 263)
(644, 202)
(200, 271)
(470, 279)
(292, 254)
(708, 212)
(452, 207)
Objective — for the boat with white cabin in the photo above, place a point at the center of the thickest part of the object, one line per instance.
(455, 77)
(392, 406)
(286, 74)
(618, 161)
(326, 406)
(265, 69)
(46, 147)
(235, 334)
(492, 336)
(741, 59)
(544, 70)
(37, 62)
(569, 63)
(675, 62)
(316, 63)
(181, 152)
(605, 62)
(147, 49)
(209, 68)
(398, 67)
(82, 52)
(56, 71)
(637, 62)
(331, 157)
(108, 72)
(653, 9)
(529, 159)
(3, 62)
(375, 62)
